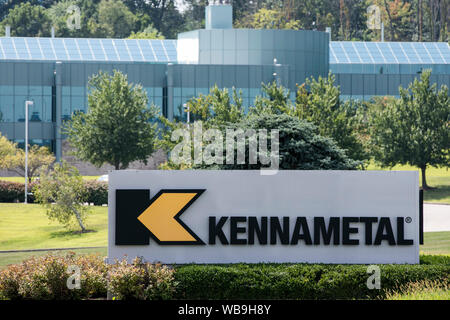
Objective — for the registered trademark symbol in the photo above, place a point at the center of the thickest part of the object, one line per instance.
(408, 219)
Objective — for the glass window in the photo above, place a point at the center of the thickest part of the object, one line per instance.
(77, 91)
(77, 104)
(47, 108)
(158, 102)
(255, 92)
(203, 91)
(158, 91)
(23, 90)
(35, 111)
(47, 90)
(245, 92)
(357, 68)
(65, 108)
(6, 90)
(6, 109)
(19, 108)
(66, 91)
(20, 143)
(177, 108)
(38, 142)
(149, 92)
(35, 90)
(188, 92)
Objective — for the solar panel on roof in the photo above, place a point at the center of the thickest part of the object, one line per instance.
(74, 49)
(389, 52)
(78, 49)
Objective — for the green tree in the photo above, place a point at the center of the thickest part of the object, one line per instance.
(162, 14)
(61, 191)
(217, 108)
(38, 157)
(148, 33)
(268, 19)
(27, 20)
(7, 148)
(414, 129)
(398, 19)
(275, 100)
(323, 107)
(115, 20)
(60, 16)
(118, 128)
(300, 146)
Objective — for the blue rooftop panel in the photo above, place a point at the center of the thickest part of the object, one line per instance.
(72, 49)
(21, 49)
(85, 49)
(78, 49)
(164, 51)
(389, 52)
(9, 49)
(134, 50)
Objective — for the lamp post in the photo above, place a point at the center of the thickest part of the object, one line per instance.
(27, 104)
(187, 110)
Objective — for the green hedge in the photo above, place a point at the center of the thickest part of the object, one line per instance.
(15, 191)
(299, 281)
(45, 278)
(96, 192)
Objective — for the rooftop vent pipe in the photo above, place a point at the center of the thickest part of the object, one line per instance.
(328, 30)
(219, 16)
(7, 31)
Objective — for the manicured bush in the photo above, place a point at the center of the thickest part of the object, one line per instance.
(435, 259)
(15, 191)
(299, 281)
(96, 192)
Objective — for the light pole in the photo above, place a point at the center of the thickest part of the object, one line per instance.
(187, 110)
(27, 104)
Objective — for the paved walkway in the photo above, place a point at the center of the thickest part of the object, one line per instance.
(436, 217)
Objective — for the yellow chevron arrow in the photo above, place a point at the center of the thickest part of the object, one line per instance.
(162, 217)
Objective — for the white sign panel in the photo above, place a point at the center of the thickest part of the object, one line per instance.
(208, 216)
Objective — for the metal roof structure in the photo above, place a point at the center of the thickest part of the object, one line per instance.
(86, 49)
(389, 52)
(165, 51)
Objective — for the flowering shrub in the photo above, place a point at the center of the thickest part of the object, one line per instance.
(46, 278)
(96, 192)
(15, 191)
(143, 281)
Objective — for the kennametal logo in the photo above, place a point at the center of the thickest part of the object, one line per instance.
(309, 231)
(138, 218)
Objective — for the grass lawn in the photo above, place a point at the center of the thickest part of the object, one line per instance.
(17, 257)
(436, 243)
(436, 177)
(26, 226)
(423, 290)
